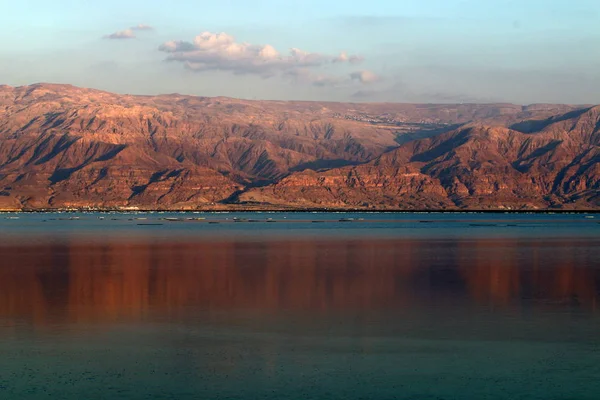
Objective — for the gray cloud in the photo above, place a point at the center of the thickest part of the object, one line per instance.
(305, 76)
(364, 76)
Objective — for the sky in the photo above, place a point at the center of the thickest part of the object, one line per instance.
(425, 51)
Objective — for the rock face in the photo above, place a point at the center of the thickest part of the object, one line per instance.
(62, 146)
(474, 167)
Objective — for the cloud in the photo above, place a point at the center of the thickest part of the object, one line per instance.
(343, 57)
(142, 27)
(364, 76)
(221, 52)
(305, 76)
(129, 33)
(126, 34)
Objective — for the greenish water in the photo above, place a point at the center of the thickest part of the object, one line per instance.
(272, 306)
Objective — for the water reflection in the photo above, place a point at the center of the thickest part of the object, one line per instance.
(103, 282)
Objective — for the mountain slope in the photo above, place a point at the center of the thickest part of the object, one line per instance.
(475, 167)
(63, 146)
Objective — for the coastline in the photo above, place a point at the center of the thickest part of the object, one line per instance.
(303, 210)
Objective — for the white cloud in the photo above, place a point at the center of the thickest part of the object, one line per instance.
(142, 27)
(220, 51)
(130, 32)
(343, 57)
(364, 76)
(126, 34)
(268, 53)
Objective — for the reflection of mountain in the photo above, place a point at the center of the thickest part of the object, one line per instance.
(97, 282)
(559, 272)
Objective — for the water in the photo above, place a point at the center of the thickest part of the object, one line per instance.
(383, 306)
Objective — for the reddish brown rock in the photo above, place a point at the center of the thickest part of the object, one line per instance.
(63, 146)
(475, 167)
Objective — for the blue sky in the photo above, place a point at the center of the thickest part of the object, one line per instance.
(523, 51)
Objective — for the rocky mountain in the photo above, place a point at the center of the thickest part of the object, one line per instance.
(68, 147)
(555, 163)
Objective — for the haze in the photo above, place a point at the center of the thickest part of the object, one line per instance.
(526, 51)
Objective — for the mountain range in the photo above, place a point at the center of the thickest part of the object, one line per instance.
(64, 147)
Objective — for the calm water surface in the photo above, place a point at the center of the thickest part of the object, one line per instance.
(299, 306)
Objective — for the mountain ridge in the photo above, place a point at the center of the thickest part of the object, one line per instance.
(67, 147)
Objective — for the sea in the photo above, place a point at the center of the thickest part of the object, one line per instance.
(300, 305)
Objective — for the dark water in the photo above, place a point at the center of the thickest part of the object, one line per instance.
(385, 306)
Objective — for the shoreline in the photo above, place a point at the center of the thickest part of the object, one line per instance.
(308, 210)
